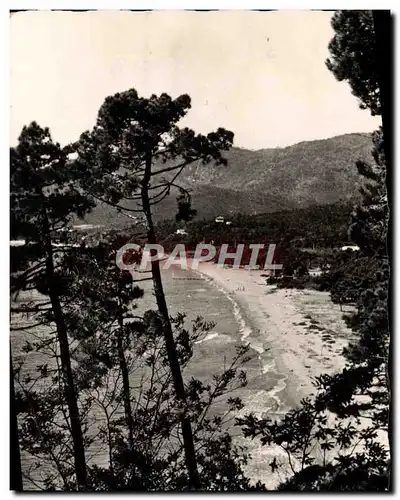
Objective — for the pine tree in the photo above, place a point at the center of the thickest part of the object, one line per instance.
(357, 50)
(368, 225)
(354, 57)
(104, 294)
(43, 200)
(122, 156)
(362, 390)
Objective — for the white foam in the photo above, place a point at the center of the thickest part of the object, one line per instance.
(209, 336)
(268, 366)
(244, 329)
(245, 332)
(279, 386)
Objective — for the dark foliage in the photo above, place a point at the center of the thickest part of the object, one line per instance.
(354, 57)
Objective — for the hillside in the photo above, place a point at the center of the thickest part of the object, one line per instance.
(267, 180)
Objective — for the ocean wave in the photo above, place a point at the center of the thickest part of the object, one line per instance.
(264, 400)
(273, 393)
(209, 336)
(244, 329)
(267, 366)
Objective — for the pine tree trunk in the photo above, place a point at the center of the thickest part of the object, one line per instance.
(15, 456)
(62, 336)
(125, 381)
(179, 387)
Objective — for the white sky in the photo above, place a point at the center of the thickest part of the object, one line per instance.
(260, 74)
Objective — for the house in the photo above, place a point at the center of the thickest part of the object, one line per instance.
(181, 231)
(219, 219)
(315, 272)
(355, 248)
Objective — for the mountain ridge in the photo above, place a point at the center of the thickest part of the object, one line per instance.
(266, 180)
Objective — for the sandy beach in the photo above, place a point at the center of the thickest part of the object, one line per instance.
(298, 335)
(303, 329)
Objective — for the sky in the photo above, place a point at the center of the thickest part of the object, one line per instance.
(260, 74)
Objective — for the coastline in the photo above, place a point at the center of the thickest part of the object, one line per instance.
(304, 341)
(298, 335)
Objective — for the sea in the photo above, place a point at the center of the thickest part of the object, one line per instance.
(194, 294)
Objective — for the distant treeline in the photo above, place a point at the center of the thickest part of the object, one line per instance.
(318, 226)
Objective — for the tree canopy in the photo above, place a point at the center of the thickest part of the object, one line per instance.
(354, 57)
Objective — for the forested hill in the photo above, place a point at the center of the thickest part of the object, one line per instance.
(267, 180)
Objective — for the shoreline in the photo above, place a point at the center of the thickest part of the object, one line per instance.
(302, 345)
